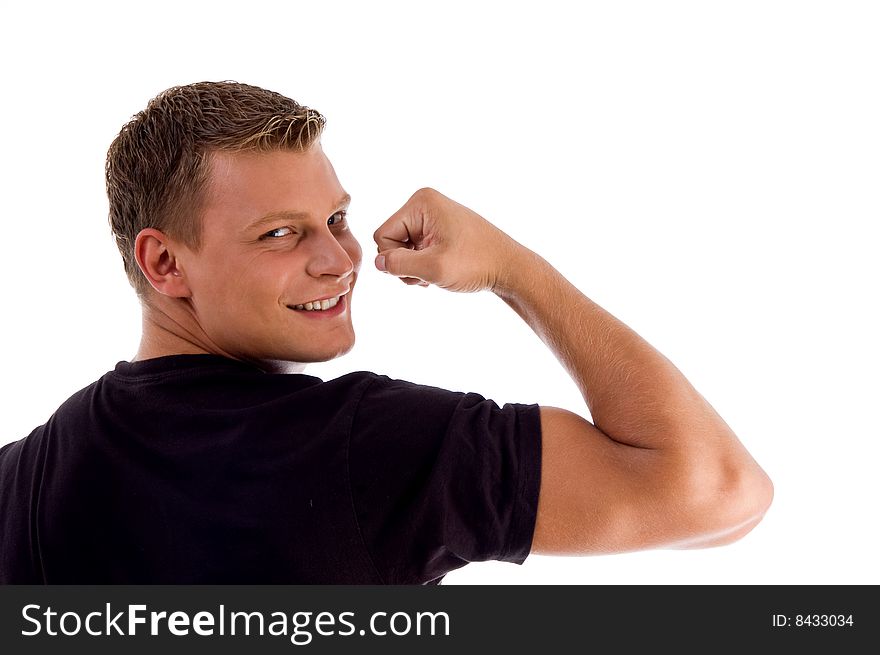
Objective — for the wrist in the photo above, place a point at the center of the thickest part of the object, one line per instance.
(515, 271)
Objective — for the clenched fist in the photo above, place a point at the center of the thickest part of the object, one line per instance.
(434, 240)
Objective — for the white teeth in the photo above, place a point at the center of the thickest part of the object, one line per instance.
(319, 305)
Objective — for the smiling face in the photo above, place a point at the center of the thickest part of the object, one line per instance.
(275, 237)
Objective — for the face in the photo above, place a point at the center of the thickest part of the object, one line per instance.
(275, 237)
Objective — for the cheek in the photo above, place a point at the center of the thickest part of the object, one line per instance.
(238, 281)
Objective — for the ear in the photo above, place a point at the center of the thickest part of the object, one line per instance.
(154, 252)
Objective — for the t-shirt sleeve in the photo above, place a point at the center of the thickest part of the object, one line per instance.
(442, 478)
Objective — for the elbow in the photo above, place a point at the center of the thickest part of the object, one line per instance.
(726, 505)
(746, 500)
(751, 490)
(762, 491)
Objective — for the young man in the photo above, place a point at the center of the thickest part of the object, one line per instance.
(211, 458)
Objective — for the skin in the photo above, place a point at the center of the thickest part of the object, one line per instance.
(659, 468)
(233, 296)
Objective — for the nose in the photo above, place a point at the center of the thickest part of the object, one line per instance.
(327, 256)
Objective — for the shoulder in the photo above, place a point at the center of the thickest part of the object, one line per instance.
(394, 408)
(387, 399)
(383, 387)
(77, 404)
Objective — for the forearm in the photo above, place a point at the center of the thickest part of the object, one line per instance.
(679, 475)
(635, 395)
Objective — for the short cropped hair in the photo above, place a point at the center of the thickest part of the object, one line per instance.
(158, 166)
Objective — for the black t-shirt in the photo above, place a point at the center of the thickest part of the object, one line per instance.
(197, 469)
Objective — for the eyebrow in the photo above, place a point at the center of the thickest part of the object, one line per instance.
(285, 215)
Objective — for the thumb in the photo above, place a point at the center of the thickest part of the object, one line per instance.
(403, 262)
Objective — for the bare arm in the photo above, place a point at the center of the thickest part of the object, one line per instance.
(672, 468)
(659, 468)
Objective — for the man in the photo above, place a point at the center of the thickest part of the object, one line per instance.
(211, 457)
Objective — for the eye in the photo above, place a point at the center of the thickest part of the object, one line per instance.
(338, 218)
(277, 233)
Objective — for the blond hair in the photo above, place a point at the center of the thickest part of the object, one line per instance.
(157, 167)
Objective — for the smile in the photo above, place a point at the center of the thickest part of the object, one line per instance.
(326, 306)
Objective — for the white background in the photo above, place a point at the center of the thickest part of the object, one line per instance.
(708, 172)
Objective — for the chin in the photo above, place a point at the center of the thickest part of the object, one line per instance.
(321, 354)
(296, 362)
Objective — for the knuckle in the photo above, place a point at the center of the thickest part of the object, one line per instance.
(426, 193)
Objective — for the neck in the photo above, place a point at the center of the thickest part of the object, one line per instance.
(163, 334)
(167, 332)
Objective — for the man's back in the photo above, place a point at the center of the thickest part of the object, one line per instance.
(202, 469)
